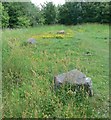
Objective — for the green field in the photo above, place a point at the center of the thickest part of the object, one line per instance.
(28, 71)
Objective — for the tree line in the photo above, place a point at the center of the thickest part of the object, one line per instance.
(25, 14)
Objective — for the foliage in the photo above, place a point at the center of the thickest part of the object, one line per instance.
(75, 12)
(49, 13)
(1, 14)
(69, 13)
(23, 22)
(96, 12)
(33, 13)
(4, 16)
(21, 14)
(24, 14)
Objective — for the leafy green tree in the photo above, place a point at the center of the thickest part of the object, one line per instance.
(12, 10)
(41, 17)
(104, 13)
(32, 12)
(77, 12)
(1, 14)
(4, 16)
(49, 13)
(23, 22)
(69, 13)
(22, 14)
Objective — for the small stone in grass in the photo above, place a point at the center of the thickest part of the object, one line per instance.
(31, 41)
(61, 32)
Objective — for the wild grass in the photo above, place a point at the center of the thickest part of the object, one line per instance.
(28, 71)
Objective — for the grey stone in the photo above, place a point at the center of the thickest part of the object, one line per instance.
(31, 41)
(74, 77)
(61, 32)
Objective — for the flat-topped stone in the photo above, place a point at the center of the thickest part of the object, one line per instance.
(74, 77)
(61, 32)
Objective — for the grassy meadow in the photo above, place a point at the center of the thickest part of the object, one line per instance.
(29, 69)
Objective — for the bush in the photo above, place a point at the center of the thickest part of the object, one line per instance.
(4, 16)
(23, 22)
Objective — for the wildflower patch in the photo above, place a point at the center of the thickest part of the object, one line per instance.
(68, 34)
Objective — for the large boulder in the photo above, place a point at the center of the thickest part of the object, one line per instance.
(74, 77)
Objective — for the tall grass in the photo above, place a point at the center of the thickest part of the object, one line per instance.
(28, 72)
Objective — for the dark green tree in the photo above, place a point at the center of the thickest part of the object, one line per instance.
(70, 13)
(49, 13)
(32, 12)
(4, 17)
(83, 12)
(22, 14)
(95, 12)
(104, 13)
(25, 14)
